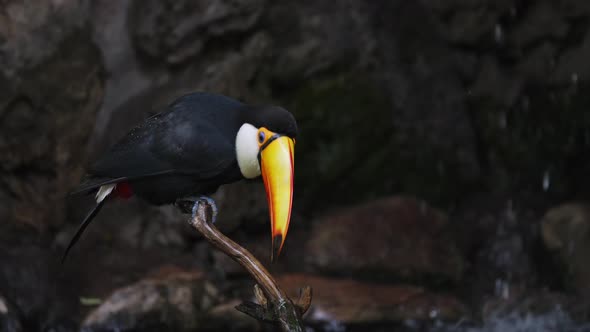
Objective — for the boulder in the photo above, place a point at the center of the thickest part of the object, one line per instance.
(172, 301)
(399, 237)
(345, 301)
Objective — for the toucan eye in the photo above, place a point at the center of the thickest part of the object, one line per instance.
(261, 136)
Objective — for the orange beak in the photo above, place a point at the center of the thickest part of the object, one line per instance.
(276, 163)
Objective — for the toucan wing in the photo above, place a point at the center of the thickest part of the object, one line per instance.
(194, 137)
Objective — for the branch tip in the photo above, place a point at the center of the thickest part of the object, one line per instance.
(274, 305)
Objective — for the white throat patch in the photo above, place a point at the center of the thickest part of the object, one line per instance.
(247, 151)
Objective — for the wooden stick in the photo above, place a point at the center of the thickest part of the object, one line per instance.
(274, 305)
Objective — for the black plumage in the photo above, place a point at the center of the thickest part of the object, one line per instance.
(187, 150)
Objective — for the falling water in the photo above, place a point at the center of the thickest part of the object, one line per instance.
(546, 180)
(554, 321)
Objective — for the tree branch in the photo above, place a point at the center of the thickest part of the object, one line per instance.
(273, 305)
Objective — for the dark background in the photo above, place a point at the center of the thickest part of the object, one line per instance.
(441, 168)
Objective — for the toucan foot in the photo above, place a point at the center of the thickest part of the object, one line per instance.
(211, 202)
(191, 205)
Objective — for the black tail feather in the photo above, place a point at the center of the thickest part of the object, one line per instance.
(87, 220)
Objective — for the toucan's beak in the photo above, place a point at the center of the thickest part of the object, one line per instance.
(276, 162)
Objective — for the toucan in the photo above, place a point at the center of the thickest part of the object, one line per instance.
(198, 143)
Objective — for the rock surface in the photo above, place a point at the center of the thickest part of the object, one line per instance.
(175, 301)
(9, 320)
(52, 85)
(566, 232)
(225, 317)
(538, 302)
(31, 286)
(352, 302)
(398, 237)
(175, 31)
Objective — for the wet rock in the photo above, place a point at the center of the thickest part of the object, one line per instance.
(225, 317)
(571, 65)
(126, 79)
(9, 320)
(35, 290)
(538, 63)
(174, 301)
(177, 30)
(346, 301)
(401, 237)
(537, 310)
(472, 25)
(432, 135)
(566, 232)
(318, 46)
(574, 8)
(498, 235)
(33, 31)
(315, 105)
(537, 302)
(530, 63)
(556, 320)
(541, 22)
(52, 86)
(496, 83)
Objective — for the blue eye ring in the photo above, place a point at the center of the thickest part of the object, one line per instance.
(261, 136)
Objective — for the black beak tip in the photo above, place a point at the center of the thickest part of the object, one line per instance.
(276, 248)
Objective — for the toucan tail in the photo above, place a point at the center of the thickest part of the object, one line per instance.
(103, 192)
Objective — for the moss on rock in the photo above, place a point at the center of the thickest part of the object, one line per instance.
(349, 140)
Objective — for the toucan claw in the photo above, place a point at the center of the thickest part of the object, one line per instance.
(190, 205)
(208, 201)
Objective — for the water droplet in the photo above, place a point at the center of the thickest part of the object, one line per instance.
(433, 313)
(502, 289)
(498, 33)
(506, 291)
(546, 180)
